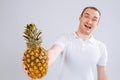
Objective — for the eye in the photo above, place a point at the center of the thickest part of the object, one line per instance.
(94, 19)
(86, 16)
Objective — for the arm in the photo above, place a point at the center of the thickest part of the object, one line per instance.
(102, 74)
(53, 53)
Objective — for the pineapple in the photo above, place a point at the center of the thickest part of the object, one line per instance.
(35, 59)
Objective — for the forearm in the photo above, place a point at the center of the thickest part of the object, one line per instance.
(102, 73)
(53, 53)
(51, 57)
(104, 77)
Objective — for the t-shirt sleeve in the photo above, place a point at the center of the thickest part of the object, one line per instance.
(103, 58)
(61, 42)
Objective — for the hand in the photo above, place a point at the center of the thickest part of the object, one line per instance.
(23, 67)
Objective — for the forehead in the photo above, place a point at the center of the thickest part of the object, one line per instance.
(92, 13)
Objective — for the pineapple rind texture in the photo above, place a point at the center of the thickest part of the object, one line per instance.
(35, 58)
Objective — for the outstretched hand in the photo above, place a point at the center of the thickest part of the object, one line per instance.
(23, 67)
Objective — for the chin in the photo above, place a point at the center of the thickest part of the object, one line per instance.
(88, 32)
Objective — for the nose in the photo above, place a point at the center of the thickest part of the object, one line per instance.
(89, 21)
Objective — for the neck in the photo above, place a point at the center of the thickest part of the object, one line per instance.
(83, 36)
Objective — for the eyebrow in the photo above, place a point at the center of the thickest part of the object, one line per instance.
(86, 13)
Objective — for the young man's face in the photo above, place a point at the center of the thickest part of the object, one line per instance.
(89, 21)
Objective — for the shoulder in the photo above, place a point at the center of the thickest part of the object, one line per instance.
(63, 40)
(67, 36)
(101, 45)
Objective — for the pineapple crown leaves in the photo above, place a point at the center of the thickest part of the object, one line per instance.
(32, 36)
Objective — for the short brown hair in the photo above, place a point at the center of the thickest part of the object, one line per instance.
(91, 7)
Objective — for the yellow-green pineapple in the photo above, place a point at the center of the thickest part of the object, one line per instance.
(35, 59)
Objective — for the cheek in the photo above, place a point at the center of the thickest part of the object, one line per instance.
(95, 25)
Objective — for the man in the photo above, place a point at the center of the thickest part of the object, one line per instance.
(82, 55)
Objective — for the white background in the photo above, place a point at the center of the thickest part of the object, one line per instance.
(54, 18)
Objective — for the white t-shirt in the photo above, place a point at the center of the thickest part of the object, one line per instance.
(79, 58)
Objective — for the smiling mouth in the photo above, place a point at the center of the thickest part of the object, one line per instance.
(88, 27)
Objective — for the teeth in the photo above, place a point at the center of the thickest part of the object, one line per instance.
(87, 27)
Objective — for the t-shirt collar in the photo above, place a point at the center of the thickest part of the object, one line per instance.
(91, 39)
